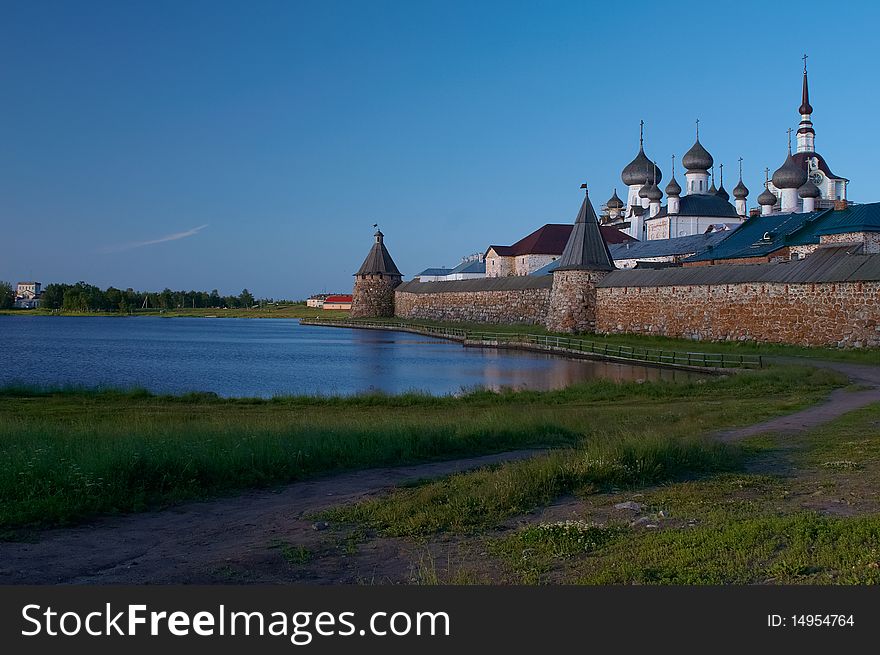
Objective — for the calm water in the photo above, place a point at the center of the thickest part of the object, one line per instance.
(267, 357)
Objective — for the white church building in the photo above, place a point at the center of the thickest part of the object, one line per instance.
(804, 183)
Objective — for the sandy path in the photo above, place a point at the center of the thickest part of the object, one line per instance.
(197, 542)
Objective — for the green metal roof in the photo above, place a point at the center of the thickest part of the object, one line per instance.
(856, 218)
(762, 235)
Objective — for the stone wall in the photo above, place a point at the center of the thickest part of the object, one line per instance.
(507, 301)
(573, 301)
(373, 296)
(825, 314)
(869, 240)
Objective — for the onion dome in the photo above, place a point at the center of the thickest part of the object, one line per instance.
(646, 187)
(809, 190)
(697, 159)
(767, 197)
(712, 190)
(654, 193)
(740, 191)
(640, 167)
(635, 171)
(673, 189)
(789, 175)
(614, 202)
(721, 193)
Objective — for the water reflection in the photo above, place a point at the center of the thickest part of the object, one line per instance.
(267, 357)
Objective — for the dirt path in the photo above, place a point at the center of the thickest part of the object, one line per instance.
(838, 403)
(218, 540)
(265, 536)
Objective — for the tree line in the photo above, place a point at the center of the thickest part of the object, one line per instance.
(84, 297)
(7, 295)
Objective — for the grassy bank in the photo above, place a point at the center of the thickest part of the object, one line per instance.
(72, 454)
(781, 510)
(810, 516)
(861, 355)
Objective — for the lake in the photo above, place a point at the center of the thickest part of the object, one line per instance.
(268, 357)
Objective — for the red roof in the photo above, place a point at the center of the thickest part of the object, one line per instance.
(341, 298)
(551, 239)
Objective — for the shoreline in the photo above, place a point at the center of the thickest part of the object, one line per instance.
(566, 347)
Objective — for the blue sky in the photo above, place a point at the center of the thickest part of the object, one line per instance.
(253, 144)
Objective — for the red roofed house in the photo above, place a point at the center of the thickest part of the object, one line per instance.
(538, 249)
(338, 301)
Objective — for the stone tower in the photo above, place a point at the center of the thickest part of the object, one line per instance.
(584, 262)
(374, 283)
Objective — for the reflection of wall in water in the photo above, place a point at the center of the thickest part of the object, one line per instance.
(556, 372)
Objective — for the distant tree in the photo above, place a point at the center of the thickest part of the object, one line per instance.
(166, 299)
(7, 295)
(53, 296)
(246, 299)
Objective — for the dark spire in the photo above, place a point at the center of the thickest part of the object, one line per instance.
(586, 250)
(722, 193)
(806, 107)
(378, 261)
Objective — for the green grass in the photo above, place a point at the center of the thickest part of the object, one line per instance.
(736, 528)
(485, 499)
(637, 444)
(800, 548)
(860, 355)
(295, 555)
(71, 454)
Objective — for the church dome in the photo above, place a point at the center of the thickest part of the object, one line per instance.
(673, 189)
(640, 167)
(646, 187)
(740, 191)
(767, 197)
(712, 189)
(654, 193)
(721, 193)
(697, 159)
(614, 202)
(789, 175)
(809, 190)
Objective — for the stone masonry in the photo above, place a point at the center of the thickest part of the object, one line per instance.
(573, 301)
(527, 306)
(373, 296)
(826, 314)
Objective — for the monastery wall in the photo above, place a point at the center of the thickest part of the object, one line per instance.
(492, 301)
(826, 314)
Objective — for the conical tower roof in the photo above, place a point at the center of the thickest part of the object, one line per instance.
(378, 260)
(586, 250)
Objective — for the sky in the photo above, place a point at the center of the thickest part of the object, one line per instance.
(209, 144)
